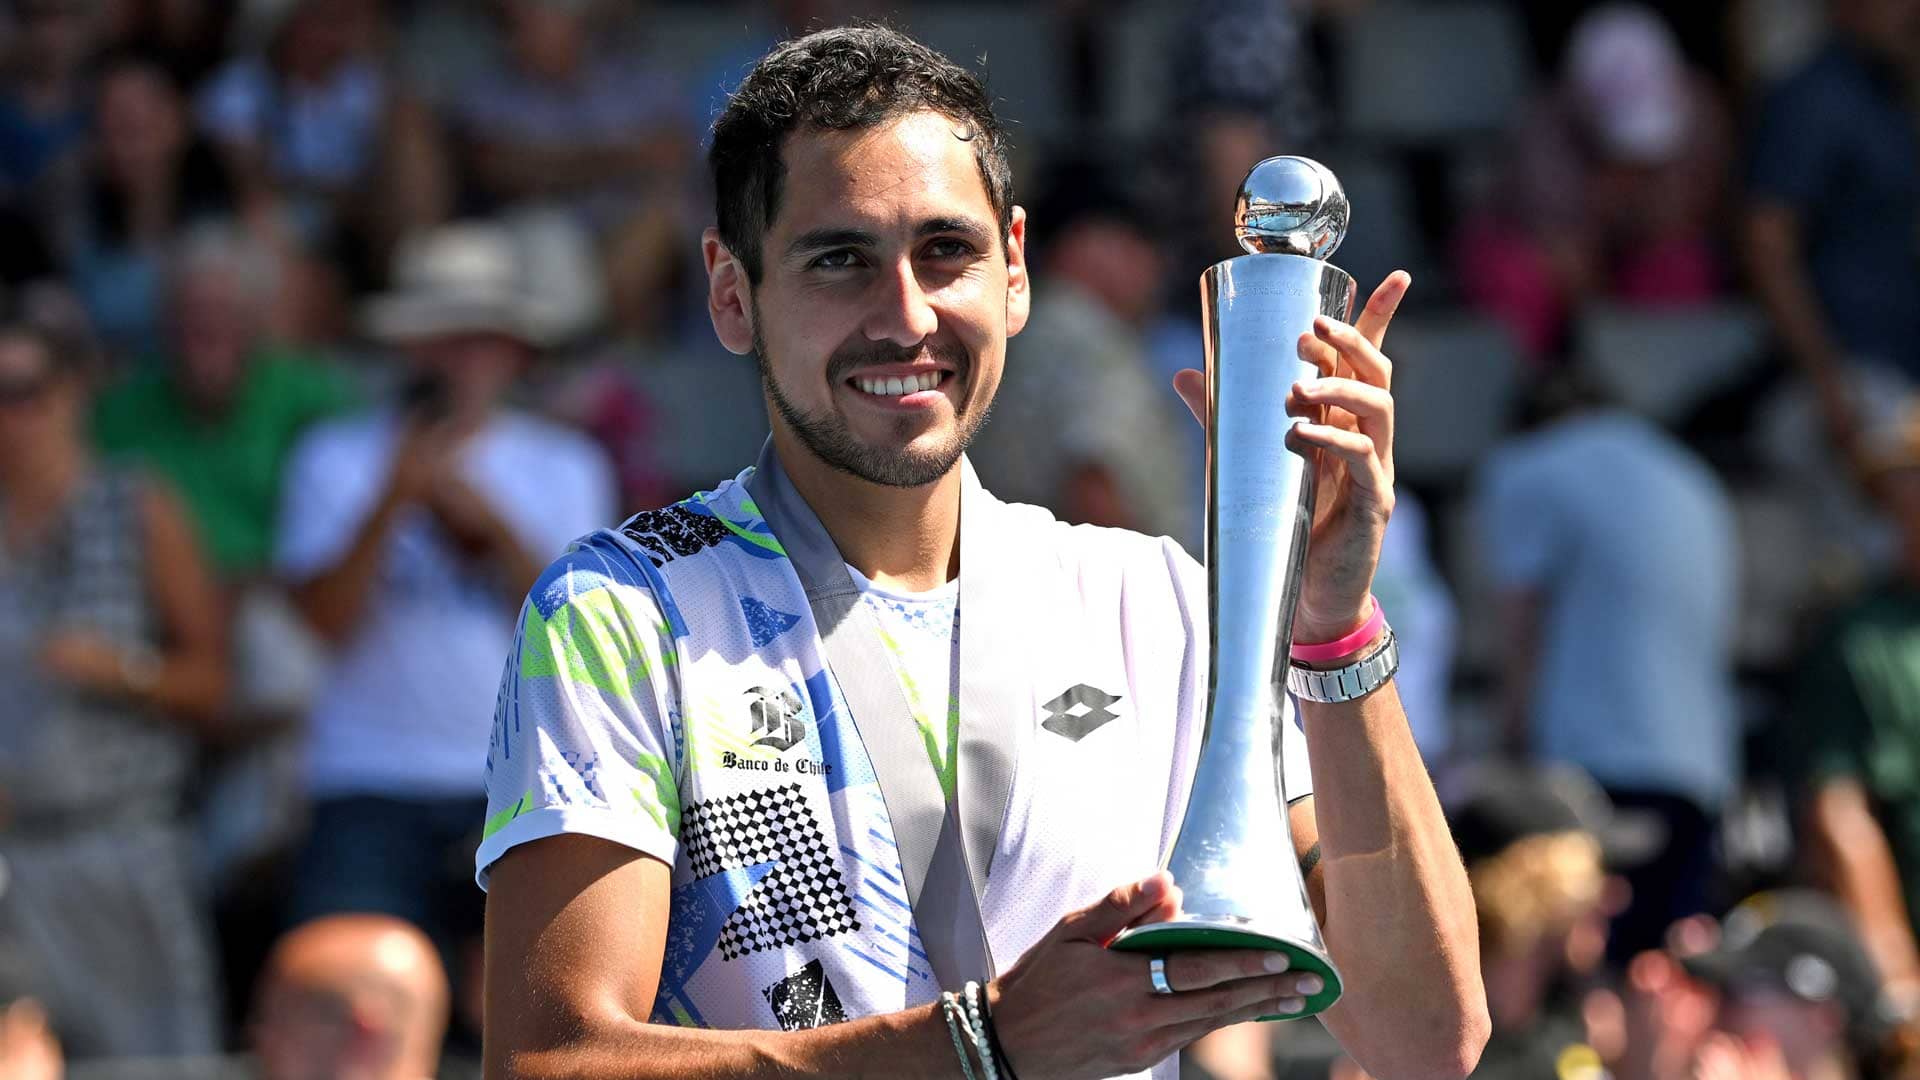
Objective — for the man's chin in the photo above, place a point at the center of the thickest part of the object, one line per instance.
(903, 466)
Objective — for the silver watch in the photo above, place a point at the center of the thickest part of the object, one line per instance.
(1349, 683)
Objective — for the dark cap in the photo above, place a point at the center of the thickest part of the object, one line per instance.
(1799, 941)
(1506, 802)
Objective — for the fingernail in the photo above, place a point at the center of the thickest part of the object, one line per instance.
(1153, 887)
(1311, 984)
(1289, 1006)
(1278, 961)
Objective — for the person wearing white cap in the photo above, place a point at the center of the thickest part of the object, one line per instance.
(1613, 188)
(408, 534)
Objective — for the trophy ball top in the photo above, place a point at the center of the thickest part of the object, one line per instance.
(1291, 206)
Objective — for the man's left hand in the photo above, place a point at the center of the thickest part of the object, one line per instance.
(1347, 415)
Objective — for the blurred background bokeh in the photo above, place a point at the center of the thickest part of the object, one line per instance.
(325, 323)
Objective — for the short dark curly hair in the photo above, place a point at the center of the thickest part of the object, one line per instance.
(837, 80)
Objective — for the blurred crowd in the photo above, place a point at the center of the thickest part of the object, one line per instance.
(305, 305)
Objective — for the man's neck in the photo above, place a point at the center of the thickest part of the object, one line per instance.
(907, 539)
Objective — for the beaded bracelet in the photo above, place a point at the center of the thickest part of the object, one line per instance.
(978, 1030)
(1000, 1059)
(949, 1006)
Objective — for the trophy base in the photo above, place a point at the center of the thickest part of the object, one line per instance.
(1200, 933)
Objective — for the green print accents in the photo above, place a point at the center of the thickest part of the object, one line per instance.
(940, 744)
(757, 539)
(584, 640)
(499, 821)
(663, 802)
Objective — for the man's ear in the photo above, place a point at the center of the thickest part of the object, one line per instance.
(729, 301)
(1019, 285)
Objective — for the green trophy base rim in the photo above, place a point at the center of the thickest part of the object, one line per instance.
(1166, 937)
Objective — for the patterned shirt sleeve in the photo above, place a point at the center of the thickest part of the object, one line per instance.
(586, 734)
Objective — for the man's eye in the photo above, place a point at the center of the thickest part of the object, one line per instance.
(949, 249)
(837, 260)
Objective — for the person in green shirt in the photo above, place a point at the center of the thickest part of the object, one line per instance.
(1856, 729)
(220, 414)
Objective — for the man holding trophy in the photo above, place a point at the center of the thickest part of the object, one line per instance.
(846, 768)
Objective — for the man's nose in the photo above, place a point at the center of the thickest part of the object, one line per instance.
(901, 313)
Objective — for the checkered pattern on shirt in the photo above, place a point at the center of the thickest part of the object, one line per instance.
(804, 896)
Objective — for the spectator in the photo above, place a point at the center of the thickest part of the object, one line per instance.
(300, 120)
(219, 416)
(1799, 998)
(1081, 425)
(1856, 729)
(1833, 192)
(43, 99)
(111, 653)
(1614, 187)
(1615, 558)
(561, 121)
(409, 534)
(360, 996)
(1537, 843)
(148, 176)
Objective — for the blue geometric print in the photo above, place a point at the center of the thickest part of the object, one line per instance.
(699, 909)
(765, 623)
(829, 740)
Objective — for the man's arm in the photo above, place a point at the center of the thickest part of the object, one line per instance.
(333, 598)
(481, 533)
(1853, 859)
(576, 927)
(1776, 262)
(1391, 895)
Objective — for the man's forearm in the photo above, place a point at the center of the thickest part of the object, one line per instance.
(1399, 917)
(1776, 262)
(1851, 853)
(333, 600)
(912, 1045)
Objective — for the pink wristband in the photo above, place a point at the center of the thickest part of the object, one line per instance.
(1321, 652)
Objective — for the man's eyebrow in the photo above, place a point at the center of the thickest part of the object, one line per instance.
(833, 237)
(829, 237)
(964, 226)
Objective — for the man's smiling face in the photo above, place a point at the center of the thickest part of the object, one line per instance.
(885, 300)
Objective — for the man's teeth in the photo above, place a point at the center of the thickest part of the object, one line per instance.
(914, 384)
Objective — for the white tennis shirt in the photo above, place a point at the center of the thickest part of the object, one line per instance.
(668, 692)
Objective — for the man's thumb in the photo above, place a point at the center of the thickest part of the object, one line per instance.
(1114, 912)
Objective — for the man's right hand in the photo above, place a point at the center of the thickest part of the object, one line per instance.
(1072, 1007)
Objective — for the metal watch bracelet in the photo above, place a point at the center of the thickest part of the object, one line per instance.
(1349, 683)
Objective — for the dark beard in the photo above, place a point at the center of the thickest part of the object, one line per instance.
(826, 435)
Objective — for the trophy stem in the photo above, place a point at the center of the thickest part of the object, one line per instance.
(1233, 860)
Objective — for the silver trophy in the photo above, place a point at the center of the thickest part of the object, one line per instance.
(1234, 859)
